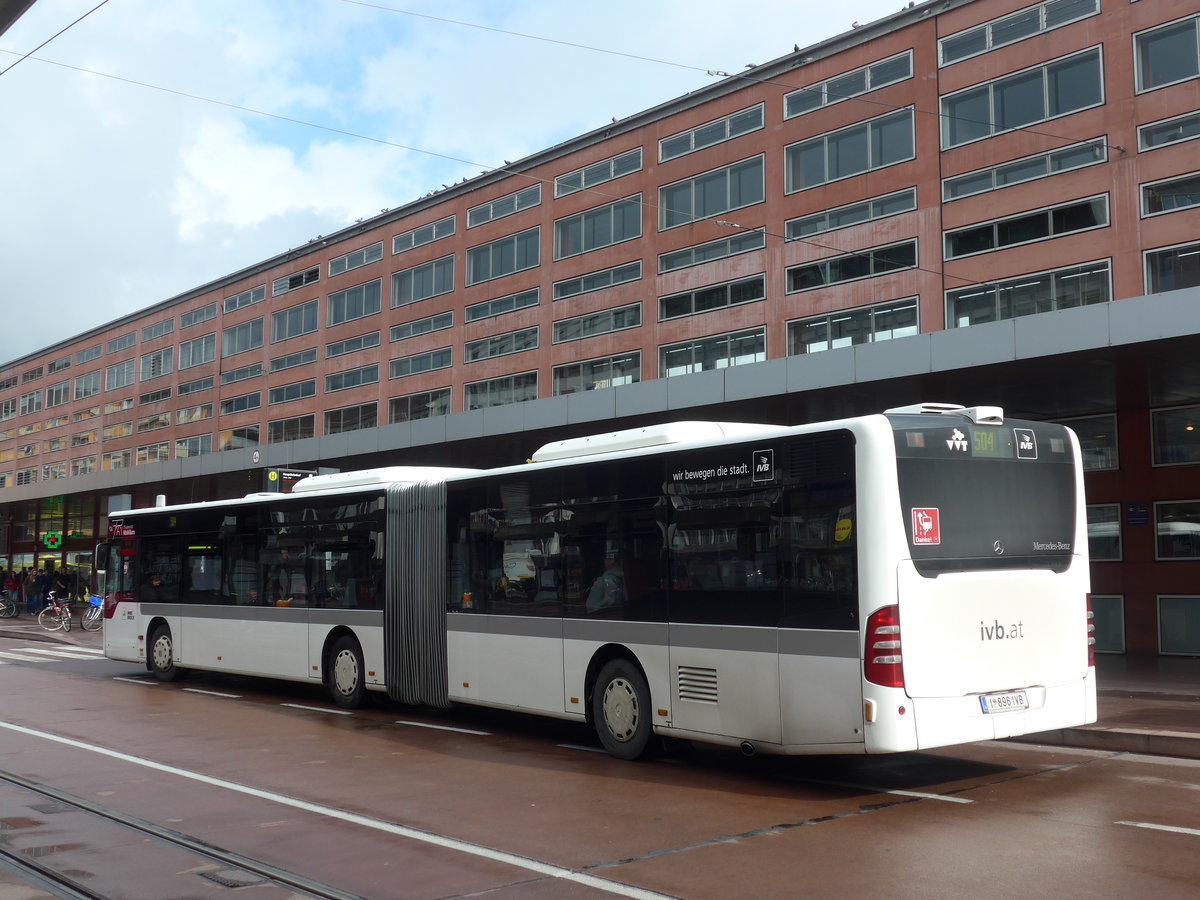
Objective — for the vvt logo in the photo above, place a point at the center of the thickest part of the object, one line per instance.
(763, 465)
(957, 441)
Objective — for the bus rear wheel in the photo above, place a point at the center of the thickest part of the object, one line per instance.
(162, 655)
(621, 710)
(346, 683)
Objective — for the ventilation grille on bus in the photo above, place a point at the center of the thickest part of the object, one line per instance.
(699, 685)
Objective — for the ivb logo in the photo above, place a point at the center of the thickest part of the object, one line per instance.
(763, 465)
(1026, 443)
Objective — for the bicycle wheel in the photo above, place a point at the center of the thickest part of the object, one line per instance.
(93, 618)
(49, 619)
(8, 607)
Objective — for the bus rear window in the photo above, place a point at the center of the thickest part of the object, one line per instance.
(985, 497)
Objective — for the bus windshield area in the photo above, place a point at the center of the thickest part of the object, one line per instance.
(981, 497)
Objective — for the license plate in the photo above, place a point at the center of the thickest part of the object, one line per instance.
(1009, 701)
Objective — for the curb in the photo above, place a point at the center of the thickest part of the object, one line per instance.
(1146, 741)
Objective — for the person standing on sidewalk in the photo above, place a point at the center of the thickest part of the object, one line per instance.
(33, 592)
(12, 587)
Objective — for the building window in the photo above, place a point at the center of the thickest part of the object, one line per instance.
(422, 282)
(294, 321)
(192, 387)
(157, 330)
(849, 84)
(417, 327)
(352, 378)
(711, 133)
(514, 253)
(93, 352)
(87, 385)
(1026, 295)
(852, 267)
(1173, 268)
(196, 316)
(84, 466)
(1012, 28)
(1104, 532)
(241, 404)
(191, 414)
(743, 242)
(8, 409)
(426, 234)
(711, 193)
(120, 459)
(1175, 436)
(847, 327)
(296, 428)
(245, 298)
(157, 364)
(604, 322)
(198, 351)
(1169, 131)
(295, 281)
(152, 453)
(713, 297)
(1029, 168)
(243, 373)
(852, 214)
(603, 226)
(350, 418)
(289, 392)
(599, 172)
(193, 446)
(1171, 195)
(31, 402)
(352, 345)
(720, 351)
(292, 360)
(356, 259)
(441, 358)
(525, 198)
(1097, 441)
(1023, 98)
(241, 338)
(31, 375)
(1167, 54)
(1027, 228)
(862, 147)
(58, 394)
(27, 476)
(124, 342)
(502, 345)
(355, 303)
(117, 406)
(237, 438)
(83, 438)
(424, 405)
(501, 305)
(597, 374)
(54, 471)
(1178, 625)
(1177, 527)
(120, 430)
(501, 391)
(153, 423)
(59, 365)
(597, 281)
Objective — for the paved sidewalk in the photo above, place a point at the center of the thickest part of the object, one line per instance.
(1147, 704)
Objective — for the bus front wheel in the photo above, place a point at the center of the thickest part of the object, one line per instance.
(346, 683)
(162, 653)
(621, 709)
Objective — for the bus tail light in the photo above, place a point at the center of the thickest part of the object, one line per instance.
(882, 661)
(1091, 632)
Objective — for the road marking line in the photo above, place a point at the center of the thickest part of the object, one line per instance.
(19, 658)
(1174, 829)
(920, 795)
(214, 693)
(427, 837)
(324, 709)
(56, 653)
(135, 681)
(581, 747)
(445, 728)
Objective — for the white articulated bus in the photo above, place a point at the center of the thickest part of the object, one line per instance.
(891, 582)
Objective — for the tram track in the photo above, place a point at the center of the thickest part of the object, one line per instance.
(54, 868)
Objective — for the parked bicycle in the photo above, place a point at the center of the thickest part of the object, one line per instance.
(8, 606)
(93, 617)
(56, 615)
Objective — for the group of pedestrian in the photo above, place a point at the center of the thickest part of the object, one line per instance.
(32, 585)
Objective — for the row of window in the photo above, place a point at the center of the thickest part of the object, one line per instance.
(1178, 623)
(1176, 528)
(1027, 294)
